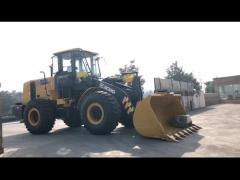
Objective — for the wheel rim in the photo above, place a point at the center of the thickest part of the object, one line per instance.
(95, 113)
(33, 116)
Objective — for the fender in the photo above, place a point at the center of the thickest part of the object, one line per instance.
(88, 91)
(121, 96)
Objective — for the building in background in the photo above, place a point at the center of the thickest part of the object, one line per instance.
(228, 88)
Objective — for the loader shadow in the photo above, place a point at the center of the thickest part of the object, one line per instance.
(123, 142)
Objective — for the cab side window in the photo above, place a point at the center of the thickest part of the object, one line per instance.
(67, 65)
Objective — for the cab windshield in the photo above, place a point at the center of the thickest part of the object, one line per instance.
(89, 66)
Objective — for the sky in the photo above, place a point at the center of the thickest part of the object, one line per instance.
(208, 49)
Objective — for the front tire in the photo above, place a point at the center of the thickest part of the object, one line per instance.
(126, 120)
(100, 112)
(39, 116)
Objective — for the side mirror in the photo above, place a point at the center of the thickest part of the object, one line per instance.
(51, 70)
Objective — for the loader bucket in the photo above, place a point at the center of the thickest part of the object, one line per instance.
(153, 114)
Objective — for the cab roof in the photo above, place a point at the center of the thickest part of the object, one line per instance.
(77, 51)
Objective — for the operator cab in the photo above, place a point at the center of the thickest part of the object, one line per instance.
(74, 70)
(76, 61)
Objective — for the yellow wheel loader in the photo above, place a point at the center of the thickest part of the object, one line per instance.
(78, 95)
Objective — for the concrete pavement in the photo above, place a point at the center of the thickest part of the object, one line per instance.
(220, 137)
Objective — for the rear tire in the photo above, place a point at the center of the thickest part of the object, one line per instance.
(100, 112)
(39, 116)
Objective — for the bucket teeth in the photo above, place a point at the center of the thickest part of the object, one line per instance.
(177, 136)
(192, 129)
(171, 138)
(186, 132)
(197, 126)
(182, 134)
(189, 131)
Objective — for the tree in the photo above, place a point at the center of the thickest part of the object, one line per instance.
(209, 87)
(176, 72)
(130, 68)
(7, 99)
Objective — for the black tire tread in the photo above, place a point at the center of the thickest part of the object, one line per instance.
(126, 120)
(114, 114)
(47, 113)
(74, 120)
